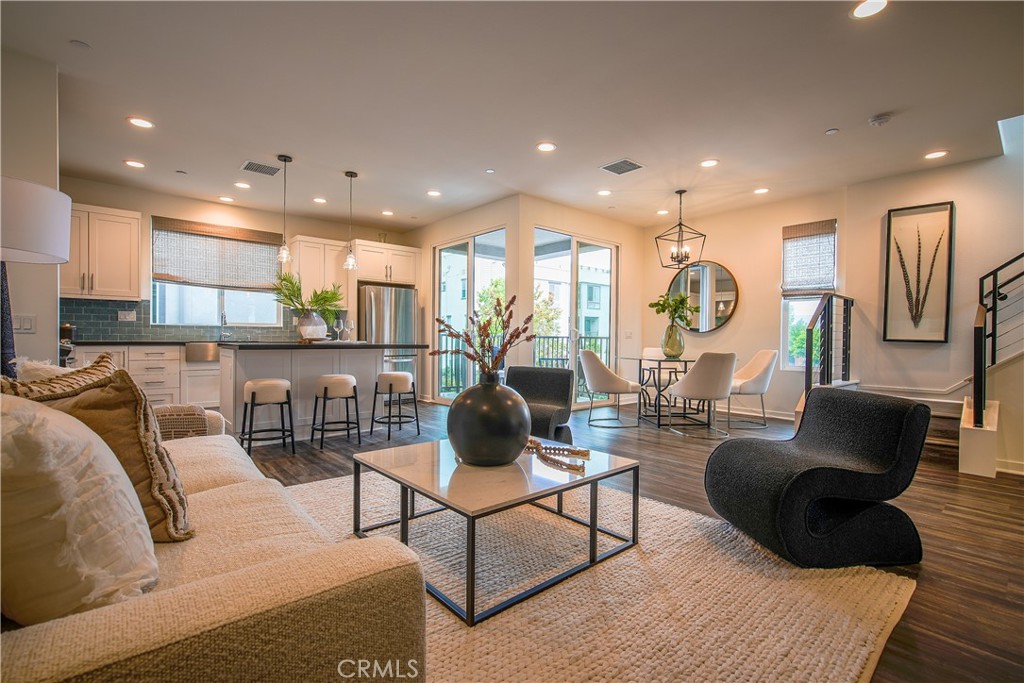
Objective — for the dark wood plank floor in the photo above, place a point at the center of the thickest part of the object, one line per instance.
(966, 619)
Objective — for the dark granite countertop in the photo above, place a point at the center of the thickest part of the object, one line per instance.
(277, 346)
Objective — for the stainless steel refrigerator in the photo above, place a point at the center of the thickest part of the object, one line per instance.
(387, 315)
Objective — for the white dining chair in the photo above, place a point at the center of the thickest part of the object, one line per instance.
(709, 379)
(601, 380)
(753, 379)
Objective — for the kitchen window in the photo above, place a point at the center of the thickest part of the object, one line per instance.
(206, 274)
(808, 271)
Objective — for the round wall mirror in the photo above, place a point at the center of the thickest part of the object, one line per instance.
(711, 286)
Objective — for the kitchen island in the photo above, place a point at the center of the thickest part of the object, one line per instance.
(300, 364)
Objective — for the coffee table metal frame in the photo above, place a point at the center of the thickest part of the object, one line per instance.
(469, 614)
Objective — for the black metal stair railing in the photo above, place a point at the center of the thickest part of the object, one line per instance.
(999, 324)
(828, 341)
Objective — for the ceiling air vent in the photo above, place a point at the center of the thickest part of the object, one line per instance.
(257, 167)
(621, 167)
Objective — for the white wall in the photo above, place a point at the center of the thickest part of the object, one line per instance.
(988, 231)
(29, 151)
(150, 203)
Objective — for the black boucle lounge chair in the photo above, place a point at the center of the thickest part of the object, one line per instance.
(816, 499)
(548, 393)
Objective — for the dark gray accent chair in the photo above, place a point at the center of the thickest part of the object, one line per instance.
(548, 393)
(817, 499)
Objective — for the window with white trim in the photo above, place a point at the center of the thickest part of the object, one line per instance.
(808, 271)
(203, 274)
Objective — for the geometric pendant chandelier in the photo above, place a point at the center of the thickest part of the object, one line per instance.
(677, 245)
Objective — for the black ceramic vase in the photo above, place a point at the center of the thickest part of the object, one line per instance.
(488, 423)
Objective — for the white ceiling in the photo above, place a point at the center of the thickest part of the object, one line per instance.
(425, 95)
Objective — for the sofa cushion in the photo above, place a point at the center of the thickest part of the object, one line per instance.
(68, 382)
(74, 535)
(114, 407)
(238, 526)
(207, 462)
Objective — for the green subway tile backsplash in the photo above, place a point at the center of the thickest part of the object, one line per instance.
(97, 321)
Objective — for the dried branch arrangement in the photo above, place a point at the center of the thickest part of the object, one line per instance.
(479, 338)
(915, 299)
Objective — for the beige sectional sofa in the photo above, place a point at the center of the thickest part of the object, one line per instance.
(260, 593)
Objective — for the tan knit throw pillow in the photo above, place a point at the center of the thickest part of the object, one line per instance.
(103, 366)
(181, 421)
(115, 408)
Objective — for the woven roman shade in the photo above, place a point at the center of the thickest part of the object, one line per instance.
(809, 258)
(201, 255)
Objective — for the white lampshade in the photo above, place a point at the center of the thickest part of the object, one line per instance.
(36, 223)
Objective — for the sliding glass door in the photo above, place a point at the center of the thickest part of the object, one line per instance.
(470, 276)
(573, 284)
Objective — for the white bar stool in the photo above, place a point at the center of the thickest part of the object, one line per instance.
(397, 384)
(267, 392)
(329, 388)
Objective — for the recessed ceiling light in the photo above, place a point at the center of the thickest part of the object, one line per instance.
(604, 193)
(319, 200)
(488, 170)
(868, 8)
(243, 186)
(663, 212)
(387, 213)
(832, 131)
(226, 199)
(140, 122)
(546, 146)
(134, 164)
(761, 190)
(433, 193)
(708, 163)
(937, 154)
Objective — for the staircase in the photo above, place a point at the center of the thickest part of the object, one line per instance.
(992, 421)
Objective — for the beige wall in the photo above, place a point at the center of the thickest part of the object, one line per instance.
(519, 214)
(988, 197)
(150, 203)
(29, 151)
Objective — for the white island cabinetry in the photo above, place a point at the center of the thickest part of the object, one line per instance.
(301, 365)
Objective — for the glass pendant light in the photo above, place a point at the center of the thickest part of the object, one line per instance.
(284, 255)
(350, 260)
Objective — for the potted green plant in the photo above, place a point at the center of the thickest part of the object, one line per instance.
(316, 312)
(679, 310)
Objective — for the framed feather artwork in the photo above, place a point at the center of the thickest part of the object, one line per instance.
(919, 273)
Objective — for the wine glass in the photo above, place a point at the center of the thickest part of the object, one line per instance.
(350, 328)
(337, 328)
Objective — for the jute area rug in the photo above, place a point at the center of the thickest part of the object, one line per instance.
(696, 600)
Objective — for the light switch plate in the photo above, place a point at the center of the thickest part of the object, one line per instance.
(126, 316)
(24, 324)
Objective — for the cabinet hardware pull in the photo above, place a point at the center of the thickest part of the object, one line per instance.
(92, 281)
(154, 353)
(83, 282)
(156, 367)
(156, 381)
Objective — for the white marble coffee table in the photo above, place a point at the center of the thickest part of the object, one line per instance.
(429, 469)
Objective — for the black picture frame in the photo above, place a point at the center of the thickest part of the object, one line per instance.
(919, 273)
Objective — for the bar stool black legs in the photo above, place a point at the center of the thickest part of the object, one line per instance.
(336, 387)
(267, 392)
(398, 384)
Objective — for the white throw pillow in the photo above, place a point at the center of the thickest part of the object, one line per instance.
(32, 370)
(72, 532)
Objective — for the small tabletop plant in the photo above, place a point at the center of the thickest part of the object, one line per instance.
(677, 308)
(325, 302)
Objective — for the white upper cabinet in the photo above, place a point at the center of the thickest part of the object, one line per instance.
(317, 262)
(381, 262)
(104, 257)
